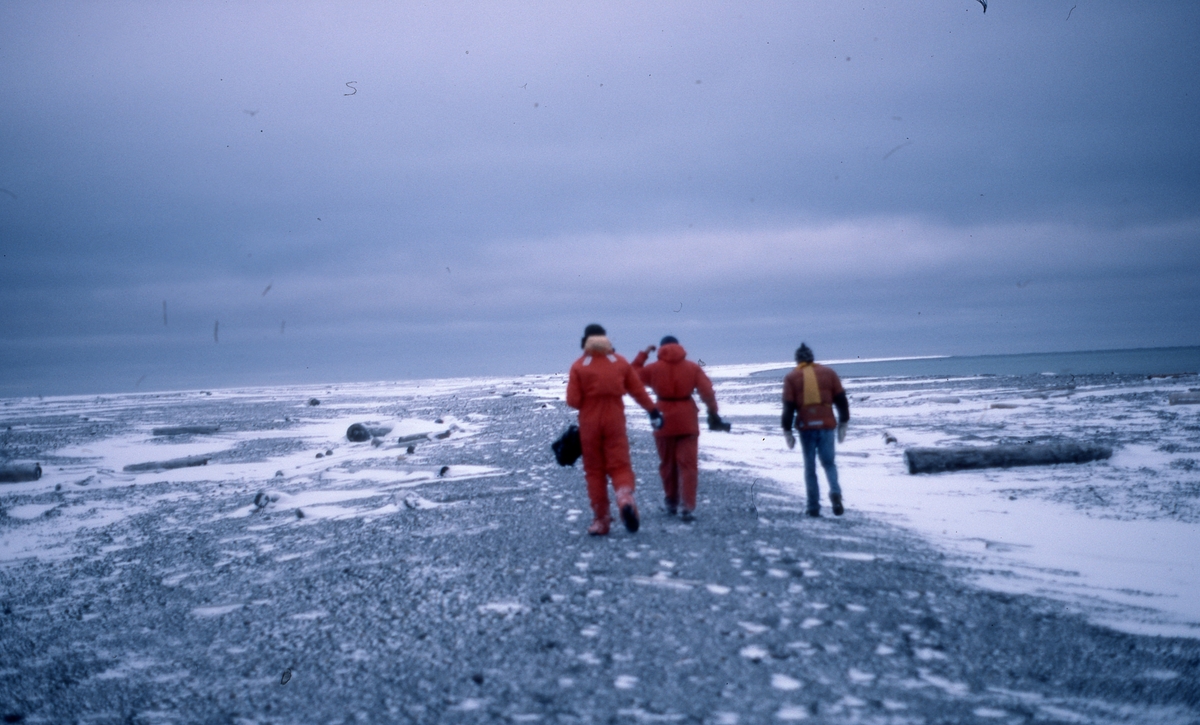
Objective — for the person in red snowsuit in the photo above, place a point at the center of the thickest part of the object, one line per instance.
(674, 378)
(596, 388)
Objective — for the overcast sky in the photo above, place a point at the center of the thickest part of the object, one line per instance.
(399, 190)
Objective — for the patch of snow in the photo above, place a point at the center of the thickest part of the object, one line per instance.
(784, 682)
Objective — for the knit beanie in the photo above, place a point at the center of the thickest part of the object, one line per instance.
(804, 354)
(589, 331)
(669, 339)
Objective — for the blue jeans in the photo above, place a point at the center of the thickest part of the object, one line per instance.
(818, 443)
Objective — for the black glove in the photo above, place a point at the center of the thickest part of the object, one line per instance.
(656, 419)
(715, 422)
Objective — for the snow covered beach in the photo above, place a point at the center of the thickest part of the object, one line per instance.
(1117, 538)
(453, 582)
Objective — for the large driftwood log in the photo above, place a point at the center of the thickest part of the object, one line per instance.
(179, 430)
(187, 462)
(937, 460)
(413, 437)
(18, 472)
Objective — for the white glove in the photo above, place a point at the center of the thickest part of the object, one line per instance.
(790, 438)
(842, 432)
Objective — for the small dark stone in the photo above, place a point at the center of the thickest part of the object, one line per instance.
(443, 435)
(358, 433)
(299, 514)
(279, 474)
(477, 678)
(313, 401)
(320, 455)
(444, 471)
(329, 451)
(439, 421)
(287, 674)
(411, 449)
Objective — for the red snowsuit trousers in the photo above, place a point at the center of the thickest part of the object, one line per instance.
(679, 467)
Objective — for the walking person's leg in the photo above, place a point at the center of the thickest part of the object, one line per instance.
(668, 470)
(808, 445)
(620, 470)
(687, 453)
(594, 472)
(825, 451)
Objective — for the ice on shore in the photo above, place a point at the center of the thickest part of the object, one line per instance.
(1115, 538)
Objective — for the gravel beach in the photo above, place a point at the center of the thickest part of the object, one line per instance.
(471, 593)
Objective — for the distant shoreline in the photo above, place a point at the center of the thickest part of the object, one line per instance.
(1125, 361)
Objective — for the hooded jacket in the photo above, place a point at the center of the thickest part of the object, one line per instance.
(673, 378)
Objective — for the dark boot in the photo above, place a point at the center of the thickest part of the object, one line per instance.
(836, 500)
(629, 512)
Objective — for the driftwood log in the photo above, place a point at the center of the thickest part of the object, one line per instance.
(937, 460)
(180, 430)
(413, 437)
(187, 462)
(1185, 399)
(18, 472)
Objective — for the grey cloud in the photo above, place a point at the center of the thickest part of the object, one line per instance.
(1023, 147)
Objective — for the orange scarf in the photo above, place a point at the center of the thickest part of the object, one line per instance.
(812, 394)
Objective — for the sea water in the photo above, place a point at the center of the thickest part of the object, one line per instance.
(1141, 361)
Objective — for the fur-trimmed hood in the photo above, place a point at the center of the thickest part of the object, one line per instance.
(597, 345)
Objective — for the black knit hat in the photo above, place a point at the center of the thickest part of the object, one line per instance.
(668, 340)
(804, 354)
(590, 331)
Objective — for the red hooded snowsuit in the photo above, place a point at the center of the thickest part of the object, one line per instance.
(596, 387)
(673, 379)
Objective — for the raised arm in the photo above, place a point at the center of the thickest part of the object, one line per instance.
(639, 364)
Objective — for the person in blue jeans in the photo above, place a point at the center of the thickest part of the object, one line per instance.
(810, 393)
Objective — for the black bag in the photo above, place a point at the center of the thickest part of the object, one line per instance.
(568, 449)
